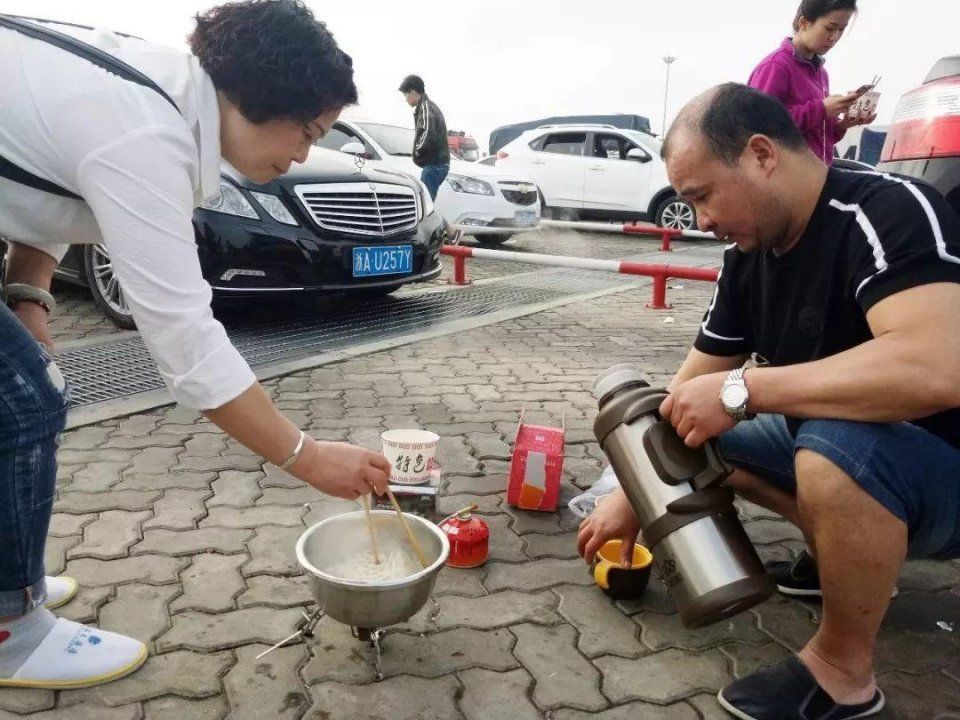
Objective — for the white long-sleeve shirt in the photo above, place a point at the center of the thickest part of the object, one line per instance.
(141, 168)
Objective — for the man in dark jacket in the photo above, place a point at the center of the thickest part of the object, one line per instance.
(430, 149)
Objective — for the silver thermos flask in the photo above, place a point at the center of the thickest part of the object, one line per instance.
(687, 515)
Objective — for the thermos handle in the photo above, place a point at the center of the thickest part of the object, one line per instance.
(713, 500)
(675, 463)
(687, 510)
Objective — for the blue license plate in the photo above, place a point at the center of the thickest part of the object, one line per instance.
(525, 217)
(393, 260)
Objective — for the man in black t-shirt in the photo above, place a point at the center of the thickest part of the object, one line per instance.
(846, 288)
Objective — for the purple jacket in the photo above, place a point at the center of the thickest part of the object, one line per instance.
(801, 85)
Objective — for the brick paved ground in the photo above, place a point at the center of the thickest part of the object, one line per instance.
(183, 539)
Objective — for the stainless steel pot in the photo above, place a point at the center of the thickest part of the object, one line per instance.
(374, 603)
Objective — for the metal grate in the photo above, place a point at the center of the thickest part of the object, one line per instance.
(361, 208)
(121, 368)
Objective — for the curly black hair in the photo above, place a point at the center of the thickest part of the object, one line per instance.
(273, 59)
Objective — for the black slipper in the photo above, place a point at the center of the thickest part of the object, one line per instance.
(788, 691)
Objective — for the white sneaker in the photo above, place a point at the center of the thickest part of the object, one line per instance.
(60, 591)
(76, 656)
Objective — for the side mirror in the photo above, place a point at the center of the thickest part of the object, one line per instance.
(638, 155)
(354, 148)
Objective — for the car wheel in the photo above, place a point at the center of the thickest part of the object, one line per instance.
(498, 239)
(105, 287)
(675, 213)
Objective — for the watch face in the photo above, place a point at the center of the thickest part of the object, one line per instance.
(734, 396)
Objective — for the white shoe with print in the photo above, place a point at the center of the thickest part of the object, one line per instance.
(76, 656)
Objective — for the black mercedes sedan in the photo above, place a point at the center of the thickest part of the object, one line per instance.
(328, 225)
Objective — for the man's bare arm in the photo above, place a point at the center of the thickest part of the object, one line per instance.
(910, 369)
(699, 363)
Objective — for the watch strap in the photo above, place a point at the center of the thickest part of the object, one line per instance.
(735, 377)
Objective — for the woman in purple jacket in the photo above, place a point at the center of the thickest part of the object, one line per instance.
(794, 74)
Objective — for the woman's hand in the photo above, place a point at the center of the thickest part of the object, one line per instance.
(612, 519)
(836, 105)
(341, 470)
(847, 122)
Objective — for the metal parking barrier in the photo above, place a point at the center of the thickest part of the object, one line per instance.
(665, 234)
(658, 272)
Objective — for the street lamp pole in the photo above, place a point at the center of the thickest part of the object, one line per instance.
(668, 59)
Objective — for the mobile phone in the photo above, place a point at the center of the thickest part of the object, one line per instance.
(870, 86)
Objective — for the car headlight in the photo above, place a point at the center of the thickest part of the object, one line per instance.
(230, 201)
(464, 184)
(426, 199)
(274, 205)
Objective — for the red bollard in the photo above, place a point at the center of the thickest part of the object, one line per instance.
(460, 270)
(665, 242)
(659, 300)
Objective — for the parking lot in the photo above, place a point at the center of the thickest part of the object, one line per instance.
(152, 507)
(77, 318)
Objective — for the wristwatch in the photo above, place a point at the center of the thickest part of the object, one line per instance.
(734, 395)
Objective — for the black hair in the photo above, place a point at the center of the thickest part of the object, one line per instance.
(273, 59)
(734, 114)
(412, 82)
(813, 10)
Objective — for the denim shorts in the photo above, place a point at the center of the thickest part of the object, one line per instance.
(911, 472)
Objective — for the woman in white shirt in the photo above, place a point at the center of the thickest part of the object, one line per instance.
(90, 154)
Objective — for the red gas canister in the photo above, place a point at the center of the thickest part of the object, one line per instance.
(469, 538)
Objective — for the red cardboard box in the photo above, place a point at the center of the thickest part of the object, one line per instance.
(536, 467)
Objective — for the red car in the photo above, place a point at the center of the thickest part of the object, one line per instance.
(924, 139)
(463, 146)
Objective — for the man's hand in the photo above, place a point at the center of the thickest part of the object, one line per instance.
(695, 410)
(34, 318)
(612, 519)
(342, 470)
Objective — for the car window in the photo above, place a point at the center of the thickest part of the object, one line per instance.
(336, 138)
(612, 147)
(648, 142)
(565, 143)
(393, 139)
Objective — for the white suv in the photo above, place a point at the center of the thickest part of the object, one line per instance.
(598, 170)
(488, 203)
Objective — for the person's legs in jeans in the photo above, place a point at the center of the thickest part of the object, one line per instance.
(761, 451)
(37, 649)
(433, 176)
(33, 412)
(866, 494)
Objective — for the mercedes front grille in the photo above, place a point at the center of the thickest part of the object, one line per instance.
(361, 208)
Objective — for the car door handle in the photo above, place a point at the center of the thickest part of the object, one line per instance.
(539, 162)
(595, 167)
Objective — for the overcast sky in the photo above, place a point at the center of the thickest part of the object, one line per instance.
(501, 61)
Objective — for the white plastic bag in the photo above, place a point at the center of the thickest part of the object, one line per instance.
(584, 504)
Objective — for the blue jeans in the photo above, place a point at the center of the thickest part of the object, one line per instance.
(33, 412)
(432, 176)
(912, 473)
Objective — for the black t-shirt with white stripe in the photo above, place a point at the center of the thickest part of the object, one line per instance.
(870, 236)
